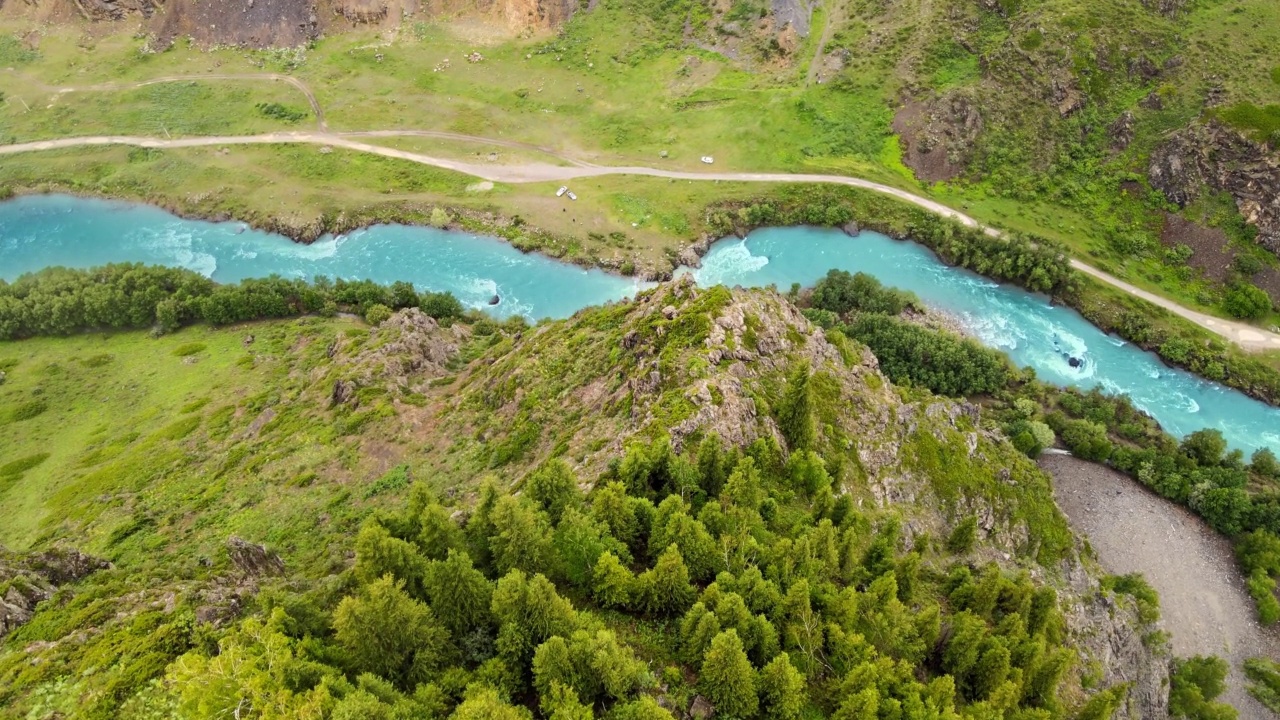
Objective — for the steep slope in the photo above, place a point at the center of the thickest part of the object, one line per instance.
(311, 427)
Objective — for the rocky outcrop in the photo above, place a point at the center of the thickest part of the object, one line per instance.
(1211, 155)
(1121, 131)
(1108, 634)
(252, 559)
(27, 580)
(288, 23)
(937, 135)
(1168, 8)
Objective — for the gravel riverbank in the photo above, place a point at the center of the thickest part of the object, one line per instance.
(1204, 604)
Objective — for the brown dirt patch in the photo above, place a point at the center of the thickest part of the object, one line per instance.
(936, 136)
(1211, 251)
(1269, 281)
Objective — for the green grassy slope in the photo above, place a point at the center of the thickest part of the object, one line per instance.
(159, 450)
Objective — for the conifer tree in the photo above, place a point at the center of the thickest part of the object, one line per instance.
(459, 593)
(553, 488)
(795, 416)
(521, 537)
(388, 633)
(665, 589)
(438, 533)
(781, 689)
(612, 584)
(727, 678)
(379, 554)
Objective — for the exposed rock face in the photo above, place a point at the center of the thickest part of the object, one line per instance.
(1108, 632)
(28, 580)
(1214, 156)
(254, 560)
(1168, 8)
(1121, 131)
(290, 23)
(937, 135)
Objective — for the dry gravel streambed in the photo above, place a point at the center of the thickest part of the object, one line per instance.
(1204, 604)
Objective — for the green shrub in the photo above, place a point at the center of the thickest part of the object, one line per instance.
(1246, 302)
(1264, 675)
(284, 113)
(1194, 684)
(21, 465)
(28, 410)
(377, 314)
(963, 535)
(188, 349)
(1136, 586)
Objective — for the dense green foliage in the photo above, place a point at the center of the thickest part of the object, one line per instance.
(841, 293)
(913, 355)
(793, 608)
(61, 301)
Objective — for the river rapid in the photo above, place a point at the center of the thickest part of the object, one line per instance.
(1062, 347)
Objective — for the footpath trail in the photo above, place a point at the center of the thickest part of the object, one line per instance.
(1204, 604)
(1246, 336)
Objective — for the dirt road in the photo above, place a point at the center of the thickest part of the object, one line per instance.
(1203, 600)
(1248, 337)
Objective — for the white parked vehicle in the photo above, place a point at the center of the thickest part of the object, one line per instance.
(563, 189)
(708, 159)
(572, 196)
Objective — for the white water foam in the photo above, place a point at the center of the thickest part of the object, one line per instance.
(728, 265)
(176, 247)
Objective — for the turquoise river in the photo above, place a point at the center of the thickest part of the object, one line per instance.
(38, 232)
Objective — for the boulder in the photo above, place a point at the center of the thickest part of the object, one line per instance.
(701, 709)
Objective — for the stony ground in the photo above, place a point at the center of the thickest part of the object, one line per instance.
(1203, 601)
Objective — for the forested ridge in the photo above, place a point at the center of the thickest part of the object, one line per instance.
(589, 522)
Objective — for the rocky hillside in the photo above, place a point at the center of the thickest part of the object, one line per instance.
(251, 456)
(285, 23)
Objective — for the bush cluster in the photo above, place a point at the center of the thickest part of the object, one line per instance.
(62, 301)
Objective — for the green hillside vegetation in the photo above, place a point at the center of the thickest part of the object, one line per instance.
(541, 522)
(1048, 81)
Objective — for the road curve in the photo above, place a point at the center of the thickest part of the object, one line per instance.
(1246, 336)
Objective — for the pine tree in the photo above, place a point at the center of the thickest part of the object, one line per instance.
(665, 589)
(438, 533)
(521, 537)
(611, 506)
(553, 488)
(560, 702)
(727, 678)
(383, 631)
(484, 703)
(578, 544)
(781, 689)
(460, 594)
(711, 465)
(612, 584)
(795, 416)
(379, 554)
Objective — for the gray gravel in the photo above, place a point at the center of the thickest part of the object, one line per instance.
(1204, 603)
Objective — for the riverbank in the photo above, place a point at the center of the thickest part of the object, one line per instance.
(521, 215)
(1204, 604)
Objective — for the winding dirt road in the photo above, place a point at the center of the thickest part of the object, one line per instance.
(1246, 336)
